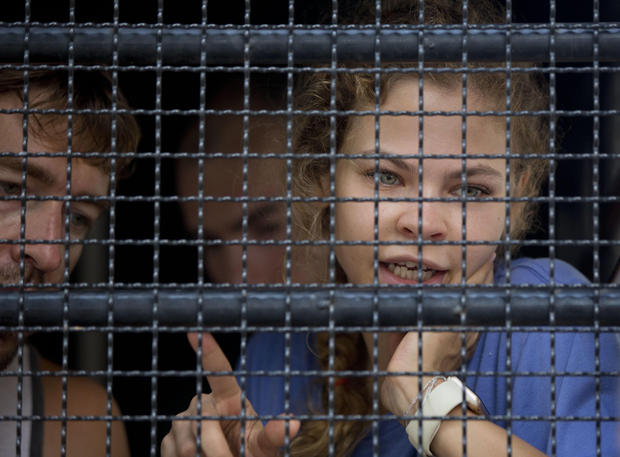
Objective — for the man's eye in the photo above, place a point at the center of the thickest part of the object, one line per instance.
(80, 222)
(267, 230)
(10, 188)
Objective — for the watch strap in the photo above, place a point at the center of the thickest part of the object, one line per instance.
(437, 404)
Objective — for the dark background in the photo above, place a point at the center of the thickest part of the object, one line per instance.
(178, 264)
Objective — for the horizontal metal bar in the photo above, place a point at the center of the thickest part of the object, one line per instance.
(349, 308)
(182, 46)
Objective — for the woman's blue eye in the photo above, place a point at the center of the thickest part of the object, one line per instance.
(473, 192)
(387, 179)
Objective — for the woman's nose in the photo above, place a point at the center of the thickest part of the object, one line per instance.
(431, 224)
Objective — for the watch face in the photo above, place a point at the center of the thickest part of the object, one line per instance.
(474, 403)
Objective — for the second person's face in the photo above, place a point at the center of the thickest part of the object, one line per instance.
(224, 213)
(408, 233)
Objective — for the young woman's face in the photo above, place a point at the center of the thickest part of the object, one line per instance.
(399, 178)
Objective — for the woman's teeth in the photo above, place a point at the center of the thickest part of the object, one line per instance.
(409, 270)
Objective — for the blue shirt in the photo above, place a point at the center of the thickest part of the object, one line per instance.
(530, 379)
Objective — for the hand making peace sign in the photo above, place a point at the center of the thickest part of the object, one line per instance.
(222, 438)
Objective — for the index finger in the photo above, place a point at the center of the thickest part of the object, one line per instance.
(213, 359)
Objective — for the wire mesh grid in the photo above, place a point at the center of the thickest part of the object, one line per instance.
(338, 195)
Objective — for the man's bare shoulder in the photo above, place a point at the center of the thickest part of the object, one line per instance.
(88, 400)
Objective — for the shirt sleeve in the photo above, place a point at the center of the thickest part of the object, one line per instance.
(564, 383)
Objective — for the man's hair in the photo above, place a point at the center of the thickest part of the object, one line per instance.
(93, 109)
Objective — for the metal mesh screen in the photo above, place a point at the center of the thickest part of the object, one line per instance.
(340, 192)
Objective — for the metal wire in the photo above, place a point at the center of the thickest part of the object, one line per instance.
(210, 56)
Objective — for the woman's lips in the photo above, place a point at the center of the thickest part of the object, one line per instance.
(407, 273)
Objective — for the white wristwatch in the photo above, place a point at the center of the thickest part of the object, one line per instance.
(439, 402)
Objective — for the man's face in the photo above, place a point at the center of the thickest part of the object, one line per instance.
(45, 233)
(266, 220)
(223, 178)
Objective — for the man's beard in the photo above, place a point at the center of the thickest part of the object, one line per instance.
(10, 275)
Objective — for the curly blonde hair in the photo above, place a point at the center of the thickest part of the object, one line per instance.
(529, 134)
